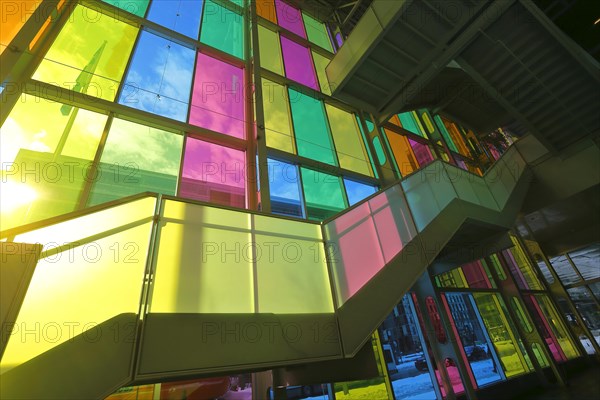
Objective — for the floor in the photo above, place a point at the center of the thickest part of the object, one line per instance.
(585, 385)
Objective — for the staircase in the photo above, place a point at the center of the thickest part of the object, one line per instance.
(154, 288)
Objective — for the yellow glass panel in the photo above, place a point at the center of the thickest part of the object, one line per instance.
(524, 265)
(14, 15)
(348, 141)
(501, 333)
(277, 117)
(320, 64)
(46, 155)
(89, 55)
(558, 326)
(204, 261)
(73, 291)
(270, 50)
(294, 267)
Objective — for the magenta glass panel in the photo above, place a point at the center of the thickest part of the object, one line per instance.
(213, 173)
(298, 63)
(218, 97)
(383, 224)
(475, 275)
(290, 18)
(422, 152)
(515, 270)
(544, 328)
(355, 231)
(453, 374)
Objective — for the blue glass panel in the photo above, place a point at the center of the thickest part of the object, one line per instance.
(159, 79)
(284, 188)
(182, 16)
(357, 191)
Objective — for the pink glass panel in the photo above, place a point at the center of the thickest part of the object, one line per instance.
(356, 232)
(298, 63)
(213, 173)
(218, 97)
(290, 18)
(422, 152)
(475, 275)
(515, 270)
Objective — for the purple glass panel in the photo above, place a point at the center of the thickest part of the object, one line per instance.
(218, 97)
(213, 173)
(422, 152)
(290, 18)
(298, 63)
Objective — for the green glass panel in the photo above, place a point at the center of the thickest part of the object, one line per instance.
(502, 334)
(277, 116)
(348, 143)
(310, 126)
(223, 29)
(323, 194)
(85, 282)
(411, 123)
(89, 55)
(320, 64)
(498, 267)
(136, 7)
(135, 159)
(445, 134)
(291, 259)
(369, 153)
(46, 159)
(270, 50)
(317, 32)
(210, 268)
(379, 151)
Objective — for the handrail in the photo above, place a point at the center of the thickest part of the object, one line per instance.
(8, 233)
(32, 226)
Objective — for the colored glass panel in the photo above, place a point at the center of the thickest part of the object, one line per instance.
(297, 268)
(317, 32)
(222, 29)
(70, 282)
(212, 248)
(218, 97)
(475, 275)
(502, 333)
(521, 267)
(284, 188)
(323, 194)
(379, 151)
(310, 128)
(46, 159)
(422, 152)
(403, 153)
(357, 191)
(348, 141)
(159, 78)
(95, 63)
(14, 16)
(445, 134)
(136, 7)
(270, 50)
(298, 63)
(290, 18)
(266, 9)
(382, 224)
(135, 159)
(182, 16)
(320, 64)
(473, 337)
(277, 116)
(213, 173)
(410, 122)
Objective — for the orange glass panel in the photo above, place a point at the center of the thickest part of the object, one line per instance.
(403, 153)
(266, 9)
(14, 15)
